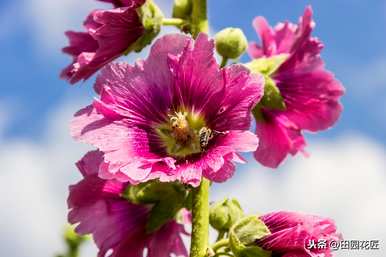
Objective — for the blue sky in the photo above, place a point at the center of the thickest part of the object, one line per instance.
(344, 178)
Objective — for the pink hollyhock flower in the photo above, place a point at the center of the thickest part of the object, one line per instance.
(174, 116)
(117, 225)
(109, 34)
(298, 235)
(119, 3)
(309, 92)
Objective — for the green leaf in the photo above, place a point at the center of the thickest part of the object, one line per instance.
(243, 235)
(163, 211)
(166, 200)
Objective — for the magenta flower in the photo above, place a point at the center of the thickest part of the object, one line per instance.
(109, 34)
(119, 3)
(298, 235)
(174, 116)
(309, 92)
(117, 225)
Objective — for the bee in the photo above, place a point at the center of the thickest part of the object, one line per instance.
(205, 135)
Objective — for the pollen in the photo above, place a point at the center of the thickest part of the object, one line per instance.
(181, 133)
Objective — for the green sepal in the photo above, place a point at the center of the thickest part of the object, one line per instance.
(243, 235)
(182, 9)
(151, 17)
(224, 214)
(267, 65)
(272, 98)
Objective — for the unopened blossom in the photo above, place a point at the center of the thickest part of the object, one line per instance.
(300, 94)
(298, 235)
(109, 34)
(118, 226)
(174, 116)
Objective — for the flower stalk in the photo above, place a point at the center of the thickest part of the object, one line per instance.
(200, 205)
(200, 222)
(173, 22)
(199, 17)
(219, 244)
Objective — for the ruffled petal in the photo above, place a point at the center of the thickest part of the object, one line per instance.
(286, 38)
(89, 164)
(127, 154)
(98, 208)
(198, 83)
(278, 137)
(218, 161)
(168, 241)
(110, 32)
(242, 91)
(291, 233)
(142, 94)
(312, 98)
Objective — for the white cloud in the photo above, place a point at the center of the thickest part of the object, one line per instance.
(47, 20)
(33, 186)
(343, 179)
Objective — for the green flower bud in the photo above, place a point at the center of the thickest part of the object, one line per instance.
(72, 239)
(231, 43)
(73, 242)
(224, 214)
(244, 233)
(182, 9)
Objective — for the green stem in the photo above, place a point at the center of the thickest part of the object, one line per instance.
(224, 61)
(172, 21)
(223, 254)
(220, 235)
(200, 223)
(199, 17)
(219, 244)
(200, 197)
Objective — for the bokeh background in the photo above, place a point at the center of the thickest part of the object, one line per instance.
(344, 178)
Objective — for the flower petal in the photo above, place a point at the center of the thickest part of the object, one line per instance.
(242, 91)
(110, 32)
(278, 137)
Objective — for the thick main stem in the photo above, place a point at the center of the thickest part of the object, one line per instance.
(199, 17)
(200, 224)
(200, 205)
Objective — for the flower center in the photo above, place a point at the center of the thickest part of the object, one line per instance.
(184, 133)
